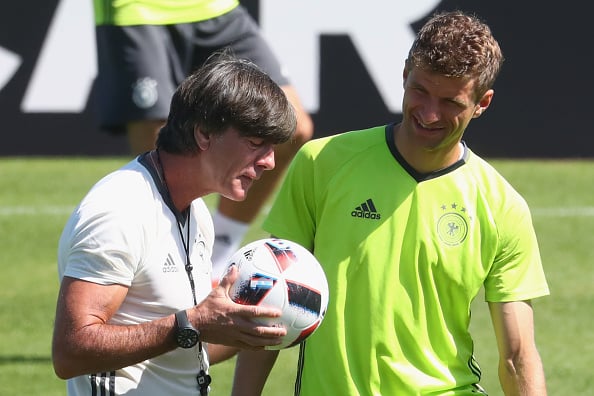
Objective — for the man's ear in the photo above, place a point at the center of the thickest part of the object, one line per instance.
(202, 139)
(483, 103)
(404, 76)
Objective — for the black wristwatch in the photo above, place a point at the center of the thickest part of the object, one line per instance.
(186, 335)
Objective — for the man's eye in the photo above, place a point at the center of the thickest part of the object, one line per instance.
(256, 142)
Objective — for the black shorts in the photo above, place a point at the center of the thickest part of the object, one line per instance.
(141, 66)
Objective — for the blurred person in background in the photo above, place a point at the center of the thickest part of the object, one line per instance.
(146, 48)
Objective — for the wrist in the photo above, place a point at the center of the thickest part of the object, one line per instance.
(186, 336)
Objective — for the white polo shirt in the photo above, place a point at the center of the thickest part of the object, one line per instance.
(124, 233)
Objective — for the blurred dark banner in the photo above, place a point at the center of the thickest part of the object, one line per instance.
(539, 108)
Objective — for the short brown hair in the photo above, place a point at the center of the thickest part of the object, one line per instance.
(455, 44)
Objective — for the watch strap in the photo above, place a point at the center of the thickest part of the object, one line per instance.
(181, 319)
(186, 335)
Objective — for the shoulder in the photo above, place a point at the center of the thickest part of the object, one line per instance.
(490, 179)
(322, 160)
(344, 145)
(501, 202)
(127, 191)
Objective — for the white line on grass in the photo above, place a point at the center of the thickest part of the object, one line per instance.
(568, 211)
(35, 210)
(555, 211)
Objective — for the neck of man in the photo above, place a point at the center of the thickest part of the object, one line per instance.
(423, 159)
(177, 174)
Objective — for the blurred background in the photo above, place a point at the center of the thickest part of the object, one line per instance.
(345, 59)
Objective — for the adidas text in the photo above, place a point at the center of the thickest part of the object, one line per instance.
(365, 215)
(169, 265)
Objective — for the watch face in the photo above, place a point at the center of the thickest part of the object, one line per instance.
(187, 338)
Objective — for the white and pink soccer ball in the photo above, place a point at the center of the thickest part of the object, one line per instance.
(282, 274)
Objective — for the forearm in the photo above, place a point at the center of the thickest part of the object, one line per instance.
(520, 368)
(523, 377)
(103, 347)
(84, 341)
(251, 372)
(219, 353)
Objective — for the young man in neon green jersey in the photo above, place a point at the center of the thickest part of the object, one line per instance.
(409, 224)
(146, 48)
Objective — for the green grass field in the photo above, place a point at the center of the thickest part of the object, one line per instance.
(37, 195)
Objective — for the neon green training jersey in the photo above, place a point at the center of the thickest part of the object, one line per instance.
(405, 254)
(158, 12)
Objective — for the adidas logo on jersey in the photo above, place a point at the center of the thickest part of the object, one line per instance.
(169, 265)
(366, 210)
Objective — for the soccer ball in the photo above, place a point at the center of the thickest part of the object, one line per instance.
(282, 274)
